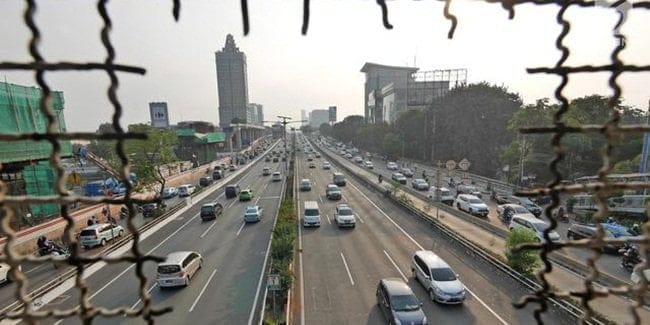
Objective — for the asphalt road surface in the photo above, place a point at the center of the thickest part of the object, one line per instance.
(342, 267)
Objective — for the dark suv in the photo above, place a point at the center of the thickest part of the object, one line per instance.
(232, 191)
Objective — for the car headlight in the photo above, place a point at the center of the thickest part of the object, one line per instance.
(424, 320)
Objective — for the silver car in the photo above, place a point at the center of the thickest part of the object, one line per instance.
(438, 279)
(253, 213)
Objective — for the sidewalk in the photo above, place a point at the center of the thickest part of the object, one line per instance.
(614, 307)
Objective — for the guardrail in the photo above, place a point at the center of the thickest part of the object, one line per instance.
(528, 283)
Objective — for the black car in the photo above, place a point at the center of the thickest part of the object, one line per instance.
(217, 174)
(267, 159)
(152, 209)
(205, 181)
(276, 159)
(232, 191)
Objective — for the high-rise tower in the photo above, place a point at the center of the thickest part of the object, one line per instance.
(232, 83)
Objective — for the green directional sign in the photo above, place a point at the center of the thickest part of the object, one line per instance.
(273, 283)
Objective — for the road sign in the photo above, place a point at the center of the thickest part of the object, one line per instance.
(450, 164)
(464, 164)
(273, 282)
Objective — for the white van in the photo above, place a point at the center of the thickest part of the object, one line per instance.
(311, 214)
(178, 268)
(535, 225)
(445, 195)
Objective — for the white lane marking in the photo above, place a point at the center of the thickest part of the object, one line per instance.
(396, 267)
(34, 269)
(302, 278)
(420, 246)
(269, 198)
(232, 203)
(328, 219)
(205, 286)
(321, 199)
(140, 299)
(347, 269)
(240, 228)
(207, 230)
(266, 257)
(358, 216)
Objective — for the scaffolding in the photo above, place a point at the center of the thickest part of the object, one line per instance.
(424, 86)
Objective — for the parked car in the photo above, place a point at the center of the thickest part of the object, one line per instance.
(169, 192)
(310, 158)
(344, 216)
(391, 166)
(4, 272)
(398, 177)
(246, 195)
(398, 303)
(526, 203)
(99, 234)
(317, 155)
(472, 205)
(253, 213)
(205, 181)
(327, 165)
(232, 191)
(368, 164)
(211, 211)
(407, 172)
(445, 195)
(437, 278)
(266, 171)
(535, 225)
(232, 168)
(305, 185)
(276, 177)
(186, 190)
(420, 184)
(585, 230)
(178, 269)
(267, 158)
(333, 192)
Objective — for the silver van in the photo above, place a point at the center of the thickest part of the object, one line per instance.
(178, 268)
(311, 214)
(438, 279)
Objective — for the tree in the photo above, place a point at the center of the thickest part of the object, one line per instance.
(346, 130)
(307, 129)
(146, 156)
(104, 148)
(524, 261)
(325, 129)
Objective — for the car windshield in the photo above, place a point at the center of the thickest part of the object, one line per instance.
(540, 226)
(405, 303)
(311, 212)
(443, 274)
(345, 212)
(251, 210)
(445, 192)
(206, 209)
(475, 201)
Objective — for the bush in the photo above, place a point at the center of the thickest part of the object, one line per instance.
(284, 240)
(524, 261)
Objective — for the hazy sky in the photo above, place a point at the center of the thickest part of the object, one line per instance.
(288, 72)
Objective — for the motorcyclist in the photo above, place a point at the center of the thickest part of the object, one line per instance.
(380, 178)
(630, 256)
(47, 246)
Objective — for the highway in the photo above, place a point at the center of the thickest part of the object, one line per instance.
(607, 262)
(227, 288)
(341, 267)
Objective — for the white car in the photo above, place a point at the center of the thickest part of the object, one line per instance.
(344, 216)
(399, 178)
(358, 159)
(253, 213)
(391, 166)
(348, 156)
(445, 195)
(368, 164)
(327, 165)
(437, 278)
(472, 205)
(276, 177)
(4, 272)
(186, 190)
(178, 269)
(535, 225)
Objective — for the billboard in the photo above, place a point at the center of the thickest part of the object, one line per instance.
(159, 115)
(332, 114)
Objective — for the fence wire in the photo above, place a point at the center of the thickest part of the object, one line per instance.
(87, 312)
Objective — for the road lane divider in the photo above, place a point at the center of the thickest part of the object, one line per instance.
(240, 229)
(345, 263)
(196, 301)
(396, 267)
(140, 299)
(208, 230)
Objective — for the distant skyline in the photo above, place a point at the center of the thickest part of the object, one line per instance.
(288, 72)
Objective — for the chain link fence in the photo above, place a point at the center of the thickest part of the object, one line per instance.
(86, 312)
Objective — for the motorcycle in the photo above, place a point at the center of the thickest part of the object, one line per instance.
(58, 252)
(630, 256)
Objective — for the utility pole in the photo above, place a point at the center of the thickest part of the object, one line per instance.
(284, 134)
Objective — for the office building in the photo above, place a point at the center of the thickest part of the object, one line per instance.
(232, 83)
(254, 114)
(318, 117)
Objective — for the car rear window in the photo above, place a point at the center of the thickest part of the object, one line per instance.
(207, 209)
(168, 269)
(475, 201)
(87, 232)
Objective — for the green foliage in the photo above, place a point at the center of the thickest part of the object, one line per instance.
(325, 129)
(284, 240)
(146, 155)
(306, 129)
(524, 261)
